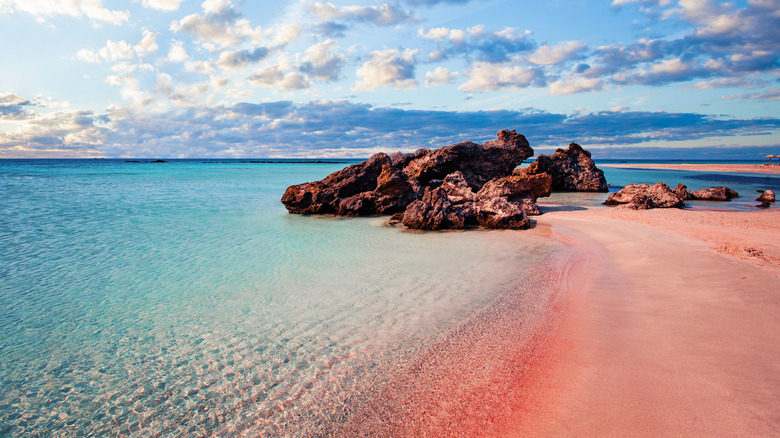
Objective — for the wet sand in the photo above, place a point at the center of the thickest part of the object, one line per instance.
(671, 326)
(739, 168)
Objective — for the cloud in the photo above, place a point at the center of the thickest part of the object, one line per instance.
(13, 107)
(148, 43)
(336, 128)
(496, 46)
(275, 77)
(574, 85)
(162, 5)
(388, 67)
(177, 53)
(565, 51)
(121, 50)
(439, 76)
(484, 76)
(235, 59)
(320, 61)
(42, 9)
(382, 15)
(770, 94)
(220, 25)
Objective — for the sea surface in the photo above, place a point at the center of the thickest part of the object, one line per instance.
(179, 298)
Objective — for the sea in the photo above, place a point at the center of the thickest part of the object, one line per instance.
(141, 298)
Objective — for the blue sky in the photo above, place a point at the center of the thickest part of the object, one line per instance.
(302, 78)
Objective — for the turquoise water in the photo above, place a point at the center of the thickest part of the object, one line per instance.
(180, 299)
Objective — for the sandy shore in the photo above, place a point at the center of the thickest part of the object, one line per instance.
(672, 326)
(739, 168)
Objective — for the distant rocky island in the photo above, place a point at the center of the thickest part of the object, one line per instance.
(467, 185)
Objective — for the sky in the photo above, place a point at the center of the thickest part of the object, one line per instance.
(302, 78)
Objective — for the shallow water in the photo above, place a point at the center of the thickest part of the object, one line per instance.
(180, 299)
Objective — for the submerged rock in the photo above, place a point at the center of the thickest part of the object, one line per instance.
(766, 196)
(572, 170)
(645, 196)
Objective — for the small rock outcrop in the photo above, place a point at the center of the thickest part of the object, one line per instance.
(659, 195)
(710, 194)
(572, 170)
(766, 198)
(645, 196)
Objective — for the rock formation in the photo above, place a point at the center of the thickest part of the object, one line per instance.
(766, 198)
(572, 170)
(645, 196)
(457, 186)
(710, 194)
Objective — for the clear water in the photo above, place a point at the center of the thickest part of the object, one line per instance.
(180, 299)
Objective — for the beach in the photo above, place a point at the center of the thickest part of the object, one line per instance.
(670, 327)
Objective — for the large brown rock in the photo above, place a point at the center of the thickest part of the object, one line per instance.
(519, 189)
(388, 184)
(435, 212)
(478, 163)
(572, 170)
(645, 196)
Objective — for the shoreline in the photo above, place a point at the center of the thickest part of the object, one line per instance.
(665, 334)
(736, 168)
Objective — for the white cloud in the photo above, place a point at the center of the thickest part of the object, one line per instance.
(148, 43)
(565, 51)
(388, 67)
(573, 86)
(218, 27)
(439, 76)
(41, 9)
(215, 6)
(275, 77)
(88, 55)
(484, 76)
(177, 53)
(116, 50)
(162, 5)
(320, 61)
(383, 15)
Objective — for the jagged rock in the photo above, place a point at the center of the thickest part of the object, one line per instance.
(644, 196)
(682, 192)
(572, 170)
(457, 188)
(435, 211)
(324, 197)
(520, 189)
(500, 213)
(478, 163)
(766, 196)
(388, 184)
(714, 194)
(501, 203)
(710, 194)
